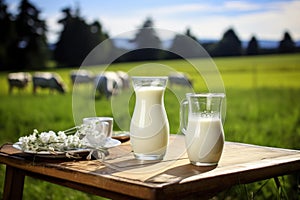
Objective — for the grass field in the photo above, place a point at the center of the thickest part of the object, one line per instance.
(263, 108)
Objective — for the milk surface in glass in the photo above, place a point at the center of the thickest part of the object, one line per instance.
(149, 128)
(204, 139)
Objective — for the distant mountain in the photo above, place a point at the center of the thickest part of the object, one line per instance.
(266, 44)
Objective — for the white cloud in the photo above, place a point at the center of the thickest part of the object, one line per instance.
(272, 23)
(266, 21)
(116, 25)
(241, 6)
(176, 9)
(269, 20)
(203, 8)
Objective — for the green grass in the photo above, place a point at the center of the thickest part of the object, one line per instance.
(263, 108)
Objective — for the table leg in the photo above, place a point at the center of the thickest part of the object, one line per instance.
(14, 183)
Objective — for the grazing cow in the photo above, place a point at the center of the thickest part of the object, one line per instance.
(81, 76)
(48, 80)
(179, 78)
(19, 80)
(105, 86)
(110, 83)
(125, 79)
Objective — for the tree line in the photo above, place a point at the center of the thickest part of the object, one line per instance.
(23, 41)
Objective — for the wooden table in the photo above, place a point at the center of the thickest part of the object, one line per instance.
(121, 176)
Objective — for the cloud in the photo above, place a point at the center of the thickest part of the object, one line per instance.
(225, 8)
(204, 18)
(271, 24)
(177, 9)
(116, 25)
(241, 6)
(266, 20)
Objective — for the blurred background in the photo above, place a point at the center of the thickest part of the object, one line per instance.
(254, 43)
(39, 34)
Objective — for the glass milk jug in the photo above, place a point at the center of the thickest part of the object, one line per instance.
(149, 127)
(201, 123)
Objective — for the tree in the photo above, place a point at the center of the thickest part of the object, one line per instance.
(286, 45)
(31, 48)
(252, 48)
(147, 43)
(147, 36)
(189, 34)
(77, 38)
(7, 36)
(186, 45)
(229, 45)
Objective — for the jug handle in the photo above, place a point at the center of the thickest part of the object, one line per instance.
(183, 116)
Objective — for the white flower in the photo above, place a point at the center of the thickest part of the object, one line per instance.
(61, 136)
(86, 136)
(44, 137)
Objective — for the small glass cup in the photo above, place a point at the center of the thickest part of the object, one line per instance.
(109, 120)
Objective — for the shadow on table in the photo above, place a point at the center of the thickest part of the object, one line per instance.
(179, 173)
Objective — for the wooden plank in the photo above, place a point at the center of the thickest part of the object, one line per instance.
(221, 181)
(84, 181)
(81, 187)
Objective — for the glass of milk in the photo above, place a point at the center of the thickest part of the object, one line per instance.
(201, 123)
(149, 127)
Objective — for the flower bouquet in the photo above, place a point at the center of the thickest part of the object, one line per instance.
(69, 143)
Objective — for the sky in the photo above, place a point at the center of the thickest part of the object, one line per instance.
(264, 19)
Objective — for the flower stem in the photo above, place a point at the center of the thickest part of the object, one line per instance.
(71, 130)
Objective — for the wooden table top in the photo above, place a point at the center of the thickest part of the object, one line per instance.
(120, 175)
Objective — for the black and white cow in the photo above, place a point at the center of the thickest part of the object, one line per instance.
(48, 80)
(110, 83)
(81, 76)
(105, 86)
(179, 78)
(18, 79)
